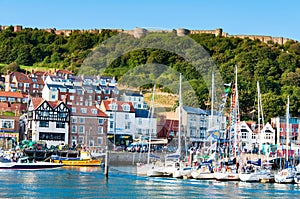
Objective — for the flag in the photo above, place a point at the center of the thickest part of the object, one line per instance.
(228, 84)
(227, 90)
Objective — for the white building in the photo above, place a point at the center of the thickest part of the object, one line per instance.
(121, 117)
(144, 124)
(137, 99)
(48, 121)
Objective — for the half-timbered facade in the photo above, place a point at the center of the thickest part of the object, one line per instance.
(48, 121)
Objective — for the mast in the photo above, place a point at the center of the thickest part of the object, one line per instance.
(179, 117)
(150, 121)
(287, 129)
(212, 104)
(258, 113)
(236, 115)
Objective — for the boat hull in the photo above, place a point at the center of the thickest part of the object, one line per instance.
(30, 166)
(226, 176)
(79, 162)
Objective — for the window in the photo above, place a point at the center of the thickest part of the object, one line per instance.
(71, 97)
(100, 129)
(91, 143)
(74, 119)
(73, 110)
(113, 106)
(99, 141)
(111, 125)
(80, 139)
(74, 129)
(140, 122)
(20, 84)
(127, 125)
(94, 111)
(126, 107)
(100, 121)
(111, 116)
(139, 131)
(60, 125)
(11, 99)
(126, 116)
(53, 96)
(8, 124)
(83, 110)
(44, 124)
(81, 129)
(81, 120)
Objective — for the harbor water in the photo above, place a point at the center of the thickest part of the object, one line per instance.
(90, 182)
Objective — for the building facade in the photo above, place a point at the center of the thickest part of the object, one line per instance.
(48, 121)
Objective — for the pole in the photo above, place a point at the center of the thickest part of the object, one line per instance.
(106, 162)
(114, 108)
(287, 130)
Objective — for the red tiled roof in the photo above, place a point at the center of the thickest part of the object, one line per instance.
(54, 104)
(12, 94)
(64, 71)
(37, 101)
(21, 77)
(88, 111)
(106, 104)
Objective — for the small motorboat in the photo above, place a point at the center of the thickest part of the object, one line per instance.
(24, 163)
(77, 158)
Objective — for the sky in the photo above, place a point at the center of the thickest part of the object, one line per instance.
(276, 18)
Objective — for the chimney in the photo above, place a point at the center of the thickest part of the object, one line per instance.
(66, 99)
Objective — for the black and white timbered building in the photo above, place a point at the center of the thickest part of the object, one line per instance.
(48, 121)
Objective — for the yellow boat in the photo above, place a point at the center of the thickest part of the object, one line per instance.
(76, 158)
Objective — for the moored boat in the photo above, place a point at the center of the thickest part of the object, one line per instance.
(24, 163)
(81, 158)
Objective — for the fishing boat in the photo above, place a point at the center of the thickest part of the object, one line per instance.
(75, 158)
(24, 163)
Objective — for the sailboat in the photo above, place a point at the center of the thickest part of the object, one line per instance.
(172, 167)
(229, 171)
(258, 173)
(287, 175)
(146, 169)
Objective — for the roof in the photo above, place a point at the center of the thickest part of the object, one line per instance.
(21, 77)
(192, 110)
(106, 104)
(133, 94)
(37, 101)
(88, 111)
(142, 113)
(12, 94)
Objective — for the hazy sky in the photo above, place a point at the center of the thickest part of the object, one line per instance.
(253, 17)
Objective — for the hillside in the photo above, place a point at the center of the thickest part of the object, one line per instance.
(276, 67)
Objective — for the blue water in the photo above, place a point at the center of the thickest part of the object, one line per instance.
(90, 182)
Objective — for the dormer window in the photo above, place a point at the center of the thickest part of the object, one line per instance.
(113, 106)
(126, 107)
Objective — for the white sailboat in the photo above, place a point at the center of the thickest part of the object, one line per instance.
(149, 168)
(230, 172)
(259, 173)
(287, 175)
(173, 166)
